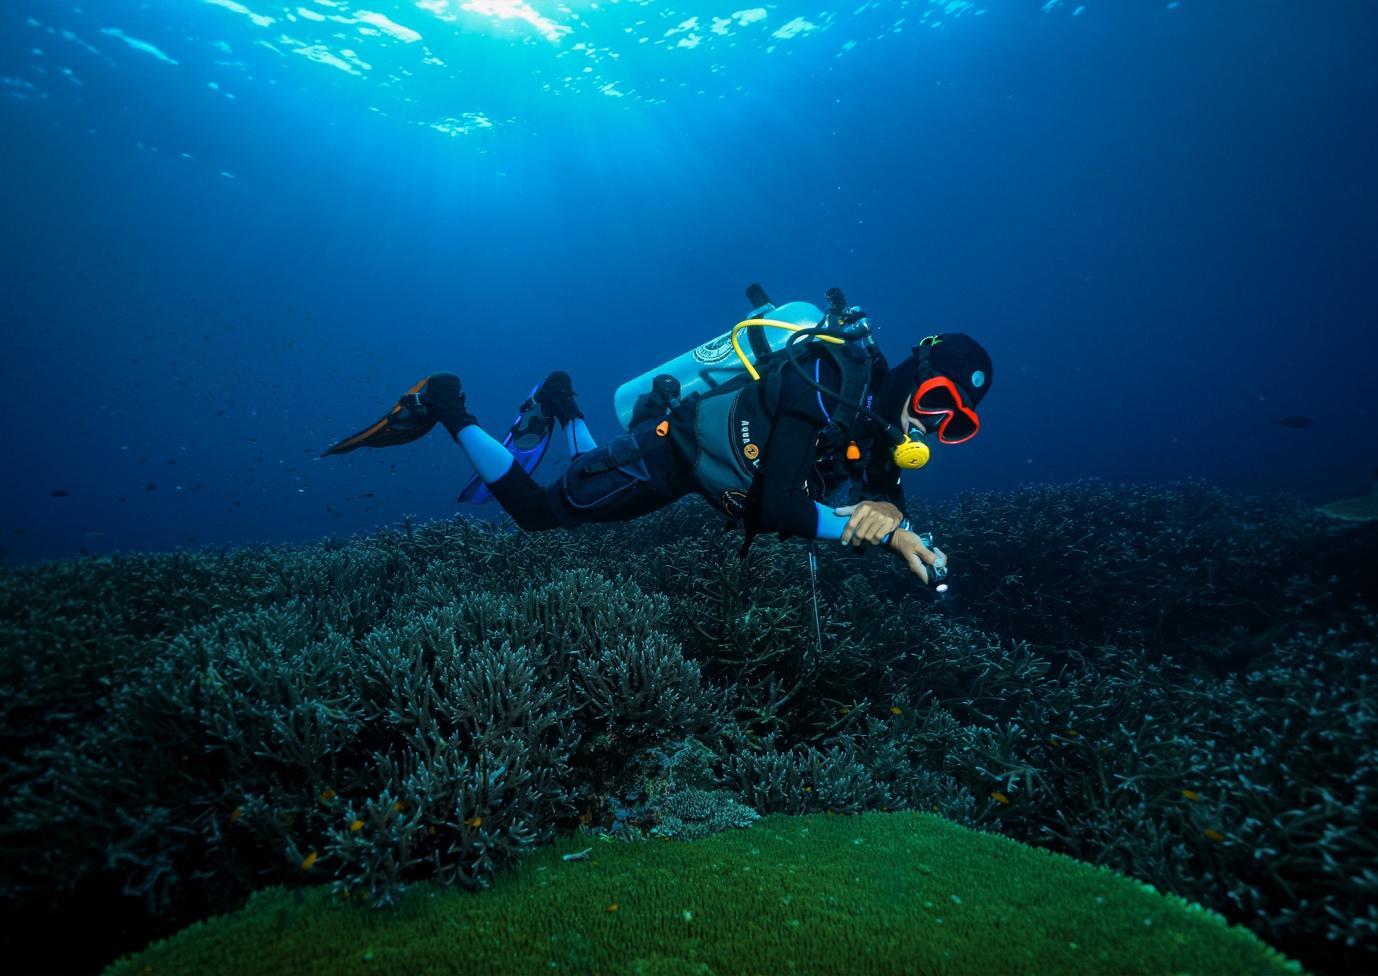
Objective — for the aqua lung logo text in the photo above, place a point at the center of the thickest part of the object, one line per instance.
(751, 451)
(714, 350)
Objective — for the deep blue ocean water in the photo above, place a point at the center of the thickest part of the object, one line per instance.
(235, 232)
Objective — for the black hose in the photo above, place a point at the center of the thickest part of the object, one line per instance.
(893, 432)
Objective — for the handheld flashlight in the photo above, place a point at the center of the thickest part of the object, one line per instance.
(937, 573)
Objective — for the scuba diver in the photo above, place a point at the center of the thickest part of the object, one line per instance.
(768, 440)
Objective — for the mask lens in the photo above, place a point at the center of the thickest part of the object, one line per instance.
(958, 427)
(939, 397)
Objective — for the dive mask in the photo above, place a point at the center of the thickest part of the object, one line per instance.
(940, 398)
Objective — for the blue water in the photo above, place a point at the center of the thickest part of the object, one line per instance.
(234, 233)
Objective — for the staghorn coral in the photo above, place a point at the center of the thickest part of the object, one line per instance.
(1046, 563)
(643, 691)
(805, 780)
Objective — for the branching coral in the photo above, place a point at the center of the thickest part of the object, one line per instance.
(1126, 675)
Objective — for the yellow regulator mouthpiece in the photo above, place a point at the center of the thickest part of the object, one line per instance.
(911, 455)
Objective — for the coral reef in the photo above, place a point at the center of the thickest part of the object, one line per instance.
(1169, 681)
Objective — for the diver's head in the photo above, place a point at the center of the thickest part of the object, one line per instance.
(938, 387)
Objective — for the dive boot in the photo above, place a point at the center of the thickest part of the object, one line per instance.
(556, 396)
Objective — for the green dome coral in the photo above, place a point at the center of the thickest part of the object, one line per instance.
(877, 893)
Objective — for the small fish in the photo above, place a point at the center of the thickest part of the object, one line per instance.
(60, 493)
(578, 855)
(150, 487)
(327, 795)
(235, 814)
(1296, 423)
(1191, 795)
(399, 806)
(1213, 834)
(430, 829)
(999, 797)
(355, 826)
(612, 907)
(309, 861)
(474, 822)
(896, 710)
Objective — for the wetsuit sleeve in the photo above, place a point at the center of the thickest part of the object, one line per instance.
(784, 502)
(829, 523)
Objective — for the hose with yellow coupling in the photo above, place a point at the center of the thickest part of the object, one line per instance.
(768, 324)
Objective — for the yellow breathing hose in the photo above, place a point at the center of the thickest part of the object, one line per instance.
(770, 324)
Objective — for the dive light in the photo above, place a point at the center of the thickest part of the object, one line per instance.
(937, 573)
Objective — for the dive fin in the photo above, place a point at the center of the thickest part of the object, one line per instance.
(404, 423)
(527, 440)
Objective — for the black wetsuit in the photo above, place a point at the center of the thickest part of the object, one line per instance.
(801, 461)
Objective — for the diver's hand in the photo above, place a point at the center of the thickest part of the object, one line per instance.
(870, 521)
(917, 555)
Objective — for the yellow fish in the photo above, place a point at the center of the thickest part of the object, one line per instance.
(1213, 834)
(309, 860)
(236, 813)
(399, 806)
(474, 822)
(999, 797)
(356, 826)
(896, 710)
(1191, 795)
(327, 795)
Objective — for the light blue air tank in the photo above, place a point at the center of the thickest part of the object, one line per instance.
(712, 364)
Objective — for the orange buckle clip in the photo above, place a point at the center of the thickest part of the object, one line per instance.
(662, 428)
(853, 452)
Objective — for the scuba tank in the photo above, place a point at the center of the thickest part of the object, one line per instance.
(714, 363)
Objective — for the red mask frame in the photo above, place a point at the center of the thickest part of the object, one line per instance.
(939, 396)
